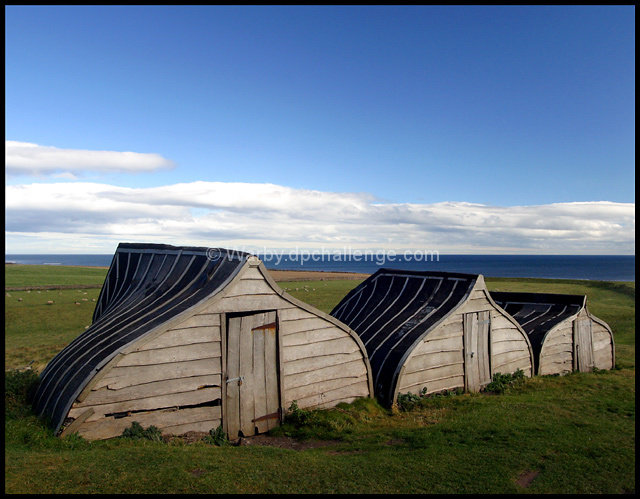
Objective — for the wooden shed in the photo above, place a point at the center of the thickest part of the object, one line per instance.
(564, 335)
(434, 331)
(188, 338)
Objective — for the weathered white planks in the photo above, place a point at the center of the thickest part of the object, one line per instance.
(306, 324)
(249, 287)
(171, 422)
(306, 356)
(556, 363)
(583, 344)
(353, 369)
(552, 349)
(120, 377)
(184, 336)
(293, 314)
(510, 365)
(108, 394)
(167, 355)
(152, 403)
(319, 349)
(435, 385)
(509, 345)
(428, 360)
(327, 333)
(198, 320)
(348, 391)
(312, 363)
(428, 375)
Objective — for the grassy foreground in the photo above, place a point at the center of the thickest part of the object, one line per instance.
(570, 434)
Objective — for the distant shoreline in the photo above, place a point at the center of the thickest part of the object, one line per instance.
(578, 267)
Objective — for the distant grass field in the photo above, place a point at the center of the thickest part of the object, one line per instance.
(569, 434)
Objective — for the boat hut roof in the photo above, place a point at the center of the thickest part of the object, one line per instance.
(146, 286)
(394, 309)
(538, 313)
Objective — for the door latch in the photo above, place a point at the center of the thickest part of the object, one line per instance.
(238, 379)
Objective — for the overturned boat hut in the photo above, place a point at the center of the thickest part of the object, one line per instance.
(432, 331)
(188, 339)
(564, 335)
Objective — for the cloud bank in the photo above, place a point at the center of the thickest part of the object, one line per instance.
(25, 158)
(92, 218)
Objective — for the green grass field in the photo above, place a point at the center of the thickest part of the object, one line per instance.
(570, 434)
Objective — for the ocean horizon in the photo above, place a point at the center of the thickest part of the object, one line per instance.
(584, 267)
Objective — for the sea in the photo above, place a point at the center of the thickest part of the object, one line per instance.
(586, 267)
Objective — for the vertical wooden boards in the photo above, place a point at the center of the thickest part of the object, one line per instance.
(306, 340)
(476, 349)
(252, 374)
(259, 379)
(470, 335)
(484, 347)
(583, 345)
(232, 401)
(271, 380)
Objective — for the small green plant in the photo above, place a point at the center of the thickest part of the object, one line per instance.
(217, 437)
(408, 401)
(501, 382)
(136, 431)
(299, 417)
(325, 424)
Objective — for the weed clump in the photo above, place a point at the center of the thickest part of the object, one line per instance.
(327, 424)
(409, 401)
(137, 432)
(217, 437)
(501, 382)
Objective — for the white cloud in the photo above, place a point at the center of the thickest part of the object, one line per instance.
(25, 158)
(249, 216)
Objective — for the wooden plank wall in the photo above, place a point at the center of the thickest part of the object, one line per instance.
(556, 355)
(437, 363)
(603, 348)
(510, 350)
(509, 347)
(321, 365)
(159, 383)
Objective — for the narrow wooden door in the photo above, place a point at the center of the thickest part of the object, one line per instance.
(477, 371)
(583, 345)
(252, 395)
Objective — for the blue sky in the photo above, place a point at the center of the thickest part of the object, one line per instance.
(460, 129)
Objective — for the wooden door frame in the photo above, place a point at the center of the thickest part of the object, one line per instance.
(224, 322)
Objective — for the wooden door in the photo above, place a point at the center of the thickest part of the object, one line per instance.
(252, 396)
(582, 345)
(476, 327)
